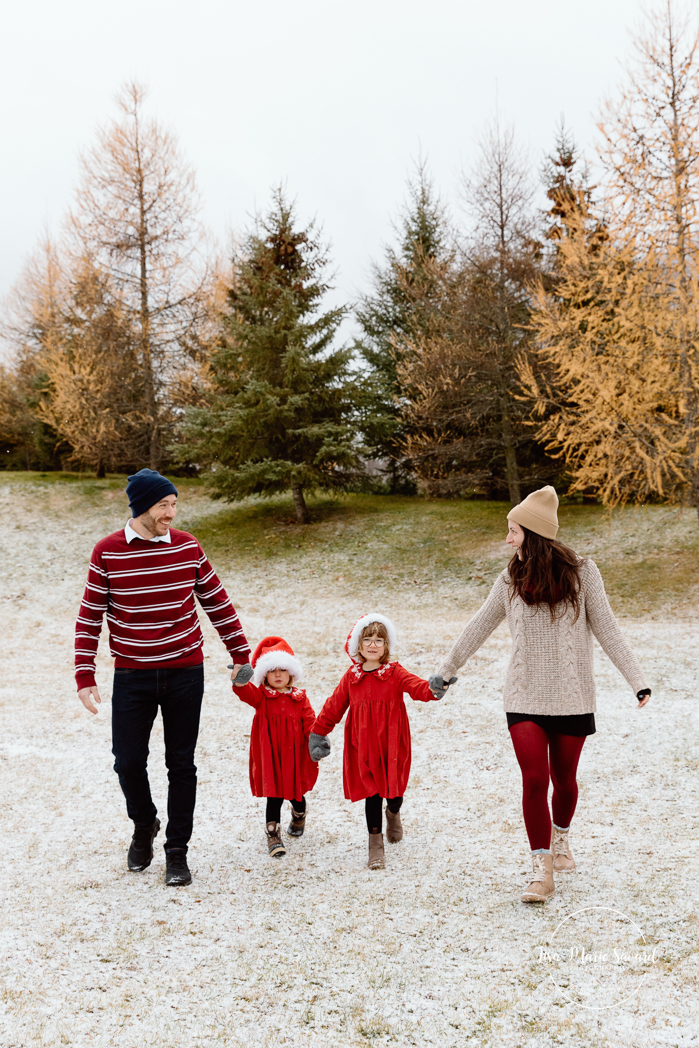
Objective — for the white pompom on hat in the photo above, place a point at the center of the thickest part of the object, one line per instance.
(538, 512)
(273, 653)
(352, 642)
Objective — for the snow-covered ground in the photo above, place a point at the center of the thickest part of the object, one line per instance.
(316, 949)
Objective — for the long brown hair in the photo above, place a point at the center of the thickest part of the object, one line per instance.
(548, 573)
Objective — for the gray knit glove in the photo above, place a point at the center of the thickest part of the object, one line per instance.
(318, 746)
(439, 686)
(244, 674)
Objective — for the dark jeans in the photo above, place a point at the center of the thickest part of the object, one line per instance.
(135, 700)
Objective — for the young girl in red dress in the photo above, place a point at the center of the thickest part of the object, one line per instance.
(280, 764)
(377, 733)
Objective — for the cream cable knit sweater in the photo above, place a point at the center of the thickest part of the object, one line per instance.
(550, 669)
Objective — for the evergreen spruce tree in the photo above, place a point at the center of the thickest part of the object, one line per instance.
(282, 413)
(400, 310)
(466, 425)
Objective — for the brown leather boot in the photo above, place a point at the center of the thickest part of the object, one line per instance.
(376, 852)
(298, 822)
(563, 861)
(274, 840)
(394, 827)
(542, 886)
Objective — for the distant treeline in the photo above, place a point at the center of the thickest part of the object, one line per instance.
(515, 347)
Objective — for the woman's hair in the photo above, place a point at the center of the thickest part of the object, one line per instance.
(374, 629)
(548, 573)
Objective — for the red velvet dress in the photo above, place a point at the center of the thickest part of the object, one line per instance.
(377, 732)
(280, 764)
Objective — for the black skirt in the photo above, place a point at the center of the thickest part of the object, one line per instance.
(571, 724)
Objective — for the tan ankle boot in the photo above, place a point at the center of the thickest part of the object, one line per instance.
(542, 886)
(376, 852)
(563, 861)
(394, 827)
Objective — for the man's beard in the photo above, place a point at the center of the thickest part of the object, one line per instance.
(150, 523)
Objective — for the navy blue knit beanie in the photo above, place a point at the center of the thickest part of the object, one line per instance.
(146, 488)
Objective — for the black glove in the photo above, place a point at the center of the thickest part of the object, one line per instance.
(318, 746)
(439, 686)
(243, 676)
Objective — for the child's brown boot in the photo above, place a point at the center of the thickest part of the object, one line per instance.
(298, 822)
(563, 861)
(542, 886)
(376, 852)
(274, 840)
(394, 827)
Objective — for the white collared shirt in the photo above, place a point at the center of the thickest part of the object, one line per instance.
(130, 535)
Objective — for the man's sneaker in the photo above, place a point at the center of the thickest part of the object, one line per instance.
(141, 848)
(274, 840)
(176, 868)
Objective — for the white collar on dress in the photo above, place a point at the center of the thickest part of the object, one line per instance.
(130, 535)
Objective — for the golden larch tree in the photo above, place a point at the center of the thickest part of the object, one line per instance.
(621, 330)
(136, 219)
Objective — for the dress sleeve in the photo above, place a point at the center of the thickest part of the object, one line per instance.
(417, 688)
(333, 709)
(307, 717)
(249, 693)
(607, 630)
(487, 619)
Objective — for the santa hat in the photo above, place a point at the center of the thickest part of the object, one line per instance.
(352, 643)
(273, 653)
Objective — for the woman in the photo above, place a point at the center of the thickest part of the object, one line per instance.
(554, 602)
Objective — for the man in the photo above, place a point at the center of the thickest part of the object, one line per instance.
(145, 577)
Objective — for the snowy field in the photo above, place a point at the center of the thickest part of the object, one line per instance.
(316, 949)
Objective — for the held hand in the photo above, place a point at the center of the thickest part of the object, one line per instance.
(88, 696)
(242, 673)
(318, 746)
(439, 686)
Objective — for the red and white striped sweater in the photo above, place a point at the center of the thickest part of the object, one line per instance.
(147, 591)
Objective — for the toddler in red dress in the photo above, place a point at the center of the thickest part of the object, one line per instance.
(280, 764)
(377, 733)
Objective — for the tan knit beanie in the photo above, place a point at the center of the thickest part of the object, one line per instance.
(538, 512)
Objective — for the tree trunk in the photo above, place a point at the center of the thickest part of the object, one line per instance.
(101, 471)
(394, 477)
(695, 483)
(146, 349)
(154, 451)
(300, 504)
(511, 470)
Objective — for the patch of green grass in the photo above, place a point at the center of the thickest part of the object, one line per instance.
(388, 534)
(649, 557)
(58, 477)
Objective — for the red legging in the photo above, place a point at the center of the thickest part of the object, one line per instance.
(542, 756)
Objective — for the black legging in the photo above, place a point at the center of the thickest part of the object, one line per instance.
(274, 808)
(373, 806)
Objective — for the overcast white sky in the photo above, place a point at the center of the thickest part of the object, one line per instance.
(336, 99)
